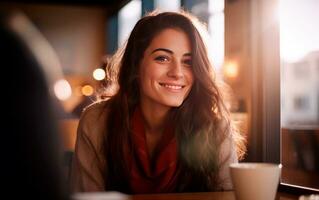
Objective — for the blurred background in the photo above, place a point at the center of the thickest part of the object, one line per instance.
(267, 51)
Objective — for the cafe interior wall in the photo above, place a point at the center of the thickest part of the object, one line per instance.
(237, 51)
(252, 43)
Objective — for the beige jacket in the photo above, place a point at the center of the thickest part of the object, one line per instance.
(89, 163)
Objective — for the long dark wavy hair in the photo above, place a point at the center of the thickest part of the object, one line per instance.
(202, 121)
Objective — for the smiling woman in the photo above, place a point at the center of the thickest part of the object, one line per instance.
(166, 129)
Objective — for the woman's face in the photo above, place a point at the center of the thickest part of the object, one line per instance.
(166, 75)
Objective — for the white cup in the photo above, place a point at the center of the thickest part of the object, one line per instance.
(110, 195)
(255, 181)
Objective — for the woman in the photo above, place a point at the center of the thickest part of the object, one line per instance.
(166, 129)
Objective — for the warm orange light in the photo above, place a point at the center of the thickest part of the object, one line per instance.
(87, 90)
(231, 69)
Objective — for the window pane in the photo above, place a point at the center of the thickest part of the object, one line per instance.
(299, 53)
(167, 5)
(128, 16)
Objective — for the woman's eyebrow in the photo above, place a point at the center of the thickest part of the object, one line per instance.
(168, 51)
(162, 49)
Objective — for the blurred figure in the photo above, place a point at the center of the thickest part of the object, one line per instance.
(32, 157)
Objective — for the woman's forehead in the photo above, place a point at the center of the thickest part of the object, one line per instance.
(170, 38)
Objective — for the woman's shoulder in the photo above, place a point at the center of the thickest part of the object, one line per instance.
(90, 136)
(96, 110)
(93, 118)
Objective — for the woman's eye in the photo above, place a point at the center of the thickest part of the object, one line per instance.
(188, 62)
(161, 58)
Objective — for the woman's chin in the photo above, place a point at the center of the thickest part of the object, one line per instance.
(174, 104)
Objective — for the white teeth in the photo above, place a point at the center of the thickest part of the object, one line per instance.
(174, 87)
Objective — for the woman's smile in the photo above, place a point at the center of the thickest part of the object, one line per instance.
(172, 86)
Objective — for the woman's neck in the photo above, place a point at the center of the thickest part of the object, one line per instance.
(155, 117)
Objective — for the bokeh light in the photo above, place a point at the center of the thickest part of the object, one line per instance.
(99, 74)
(62, 89)
(231, 69)
(87, 90)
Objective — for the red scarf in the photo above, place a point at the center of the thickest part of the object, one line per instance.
(159, 174)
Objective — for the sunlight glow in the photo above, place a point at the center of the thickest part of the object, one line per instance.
(217, 29)
(298, 38)
(216, 6)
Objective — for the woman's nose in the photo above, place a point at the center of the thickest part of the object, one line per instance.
(176, 70)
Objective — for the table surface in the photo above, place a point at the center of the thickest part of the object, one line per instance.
(229, 195)
(202, 196)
